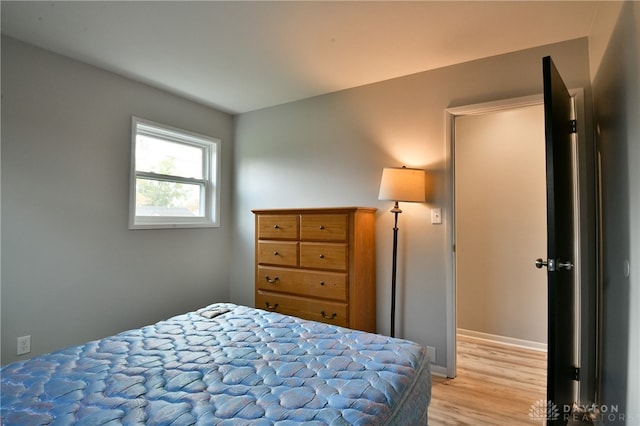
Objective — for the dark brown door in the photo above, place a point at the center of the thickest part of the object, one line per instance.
(560, 244)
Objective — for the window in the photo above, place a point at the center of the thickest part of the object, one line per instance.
(174, 178)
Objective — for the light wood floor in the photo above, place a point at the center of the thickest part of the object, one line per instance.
(496, 385)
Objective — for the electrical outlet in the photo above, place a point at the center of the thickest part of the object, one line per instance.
(24, 345)
(431, 351)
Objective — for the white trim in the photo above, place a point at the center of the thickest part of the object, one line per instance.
(511, 341)
(448, 216)
(494, 106)
(439, 371)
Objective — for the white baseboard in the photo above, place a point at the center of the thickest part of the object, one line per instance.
(537, 346)
(439, 371)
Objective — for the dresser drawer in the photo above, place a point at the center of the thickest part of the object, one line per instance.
(311, 309)
(327, 285)
(330, 256)
(283, 253)
(278, 227)
(324, 227)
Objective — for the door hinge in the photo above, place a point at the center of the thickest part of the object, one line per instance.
(573, 126)
(576, 374)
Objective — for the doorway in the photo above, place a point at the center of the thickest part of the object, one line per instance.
(585, 342)
(500, 219)
(500, 222)
(499, 227)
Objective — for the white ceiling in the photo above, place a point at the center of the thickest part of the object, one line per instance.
(240, 56)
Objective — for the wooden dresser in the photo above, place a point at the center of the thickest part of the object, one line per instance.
(318, 264)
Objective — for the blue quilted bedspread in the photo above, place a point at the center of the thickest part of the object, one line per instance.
(223, 365)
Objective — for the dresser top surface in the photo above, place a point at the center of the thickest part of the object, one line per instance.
(314, 210)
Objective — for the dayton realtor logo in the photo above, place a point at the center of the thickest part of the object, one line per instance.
(544, 410)
(548, 410)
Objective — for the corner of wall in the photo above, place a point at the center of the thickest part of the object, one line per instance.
(604, 23)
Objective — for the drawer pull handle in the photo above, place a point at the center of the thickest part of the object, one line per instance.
(271, 281)
(322, 256)
(271, 307)
(275, 253)
(321, 227)
(321, 282)
(325, 316)
(276, 226)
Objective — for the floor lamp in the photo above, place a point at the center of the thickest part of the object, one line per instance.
(400, 184)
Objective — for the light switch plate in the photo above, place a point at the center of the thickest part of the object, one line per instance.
(436, 216)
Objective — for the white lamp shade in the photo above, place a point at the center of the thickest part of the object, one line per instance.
(402, 184)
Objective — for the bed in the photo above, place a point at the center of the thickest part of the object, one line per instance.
(224, 365)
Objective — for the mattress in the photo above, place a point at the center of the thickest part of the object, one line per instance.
(224, 365)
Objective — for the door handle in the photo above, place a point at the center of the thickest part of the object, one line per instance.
(552, 265)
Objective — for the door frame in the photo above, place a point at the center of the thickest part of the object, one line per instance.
(449, 216)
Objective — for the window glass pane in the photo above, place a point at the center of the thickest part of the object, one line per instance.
(159, 198)
(156, 155)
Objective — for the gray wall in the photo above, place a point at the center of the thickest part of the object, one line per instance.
(616, 96)
(330, 150)
(71, 270)
(501, 224)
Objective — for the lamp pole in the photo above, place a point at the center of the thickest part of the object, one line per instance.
(395, 210)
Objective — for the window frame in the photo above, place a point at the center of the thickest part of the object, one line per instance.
(210, 188)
